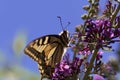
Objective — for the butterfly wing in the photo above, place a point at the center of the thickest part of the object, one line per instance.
(47, 51)
(54, 56)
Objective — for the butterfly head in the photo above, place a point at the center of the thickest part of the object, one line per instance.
(65, 37)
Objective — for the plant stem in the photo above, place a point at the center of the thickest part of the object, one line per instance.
(90, 65)
(96, 50)
(115, 13)
(74, 56)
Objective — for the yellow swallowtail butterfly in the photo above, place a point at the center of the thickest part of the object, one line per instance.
(47, 51)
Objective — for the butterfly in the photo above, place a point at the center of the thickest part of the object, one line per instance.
(47, 51)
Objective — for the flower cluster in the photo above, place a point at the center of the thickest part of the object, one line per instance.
(109, 9)
(67, 69)
(101, 32)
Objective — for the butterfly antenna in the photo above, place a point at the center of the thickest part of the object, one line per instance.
(67, 25)
(60, 22)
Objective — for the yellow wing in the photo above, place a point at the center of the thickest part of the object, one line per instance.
(46, 53)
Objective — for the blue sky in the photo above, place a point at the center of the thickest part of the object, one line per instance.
(35, 18)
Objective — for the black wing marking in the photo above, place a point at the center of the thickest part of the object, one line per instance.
(36, 47)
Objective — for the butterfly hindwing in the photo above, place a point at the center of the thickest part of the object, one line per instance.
(53, 57)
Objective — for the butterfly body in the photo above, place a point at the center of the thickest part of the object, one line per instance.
(47, 51)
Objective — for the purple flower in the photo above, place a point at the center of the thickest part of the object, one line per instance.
(85, 51)
(101, 32)
(98, 77)
(66, 69)
(99, 55)
(98, 23)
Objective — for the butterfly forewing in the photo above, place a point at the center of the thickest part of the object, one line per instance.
(47, 51)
